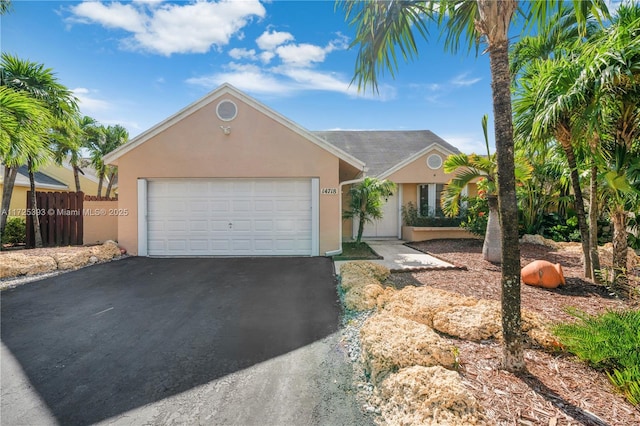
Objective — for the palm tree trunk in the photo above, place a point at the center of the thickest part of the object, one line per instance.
(100, 181)
(10, 174)
(565, 141)
(593, 223)
(492, 246)
(360, 228)
(495, 19)
(620, 280)
(34, 207)
(76, 176)
(111, 177)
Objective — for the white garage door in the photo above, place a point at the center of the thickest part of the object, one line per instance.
(230, 217)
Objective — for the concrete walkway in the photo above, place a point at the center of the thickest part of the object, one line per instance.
(398, 257)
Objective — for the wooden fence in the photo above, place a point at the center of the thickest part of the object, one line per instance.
(61, 218)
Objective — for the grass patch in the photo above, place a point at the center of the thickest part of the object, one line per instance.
(609, 342)
(357, 251)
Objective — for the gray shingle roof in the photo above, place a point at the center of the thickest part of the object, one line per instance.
(41, 178)
(381, 150)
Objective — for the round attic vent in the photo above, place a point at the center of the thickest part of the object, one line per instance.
(226, 110)
(434, 161)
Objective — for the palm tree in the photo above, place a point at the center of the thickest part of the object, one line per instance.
(5, 6)
(612, 74)
(367, 199)
(558, 40)
(540, 117)
(109, 138)
(40, 84)
(469, 168)
(24, 121)
(383, 26)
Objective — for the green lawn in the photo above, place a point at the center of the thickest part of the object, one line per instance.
(356, 251)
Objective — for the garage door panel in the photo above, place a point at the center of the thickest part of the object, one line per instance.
(229, 217)
(263, 226)
(198, 226)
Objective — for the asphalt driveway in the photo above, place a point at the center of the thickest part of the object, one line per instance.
(178, 341)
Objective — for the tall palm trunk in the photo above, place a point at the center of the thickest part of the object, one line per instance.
(620, 280)
(10, 174)
(492, 246)
(34, 206)
(564, 136)
(100, 182)
(112, 176)
(593, 223)
(76, 177)
(495, 18)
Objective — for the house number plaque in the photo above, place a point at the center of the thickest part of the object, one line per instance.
(329, 191)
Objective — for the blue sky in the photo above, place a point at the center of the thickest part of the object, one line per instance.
(135, 63)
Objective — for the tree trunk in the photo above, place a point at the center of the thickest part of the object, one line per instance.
(593, 224)
(111, 177)
(100, 181)
(494, 22)
(10, 174)
(360, 228)
(76, 176)
(492, 247)
(34, 207)
(565, 140)
(620, 279)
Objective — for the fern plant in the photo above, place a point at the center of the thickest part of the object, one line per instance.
(608, 342)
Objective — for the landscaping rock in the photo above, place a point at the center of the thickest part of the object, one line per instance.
(420, 304)
(390, 343)
(371, 269)
(363, 297)
(72, 260)
(106, 251)
(537, 331)
(478, 322)
(16, 264)
(361, 282)
(538, 239)
(26, 263)
(428, 396)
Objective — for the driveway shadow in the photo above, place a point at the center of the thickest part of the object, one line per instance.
(100, 341)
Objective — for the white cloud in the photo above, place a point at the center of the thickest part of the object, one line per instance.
(88, 103)
(271, 39)
(296, 70)
(301, 55)
(172, 28)
(115, 15)
(266, 57)
(242, 53)
(467, 143)
(462, 80)
(249, 78)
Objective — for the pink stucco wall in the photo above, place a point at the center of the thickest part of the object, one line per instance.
(258, 146)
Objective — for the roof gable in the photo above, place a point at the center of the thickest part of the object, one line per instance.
(227, 89)
(386, 151)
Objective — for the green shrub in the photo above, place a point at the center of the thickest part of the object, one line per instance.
(15, 232)
(476, 215)
(608, 342)
(412, 218)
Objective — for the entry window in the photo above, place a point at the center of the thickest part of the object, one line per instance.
(430, 195)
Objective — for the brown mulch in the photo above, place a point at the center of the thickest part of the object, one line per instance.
(558, 389)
